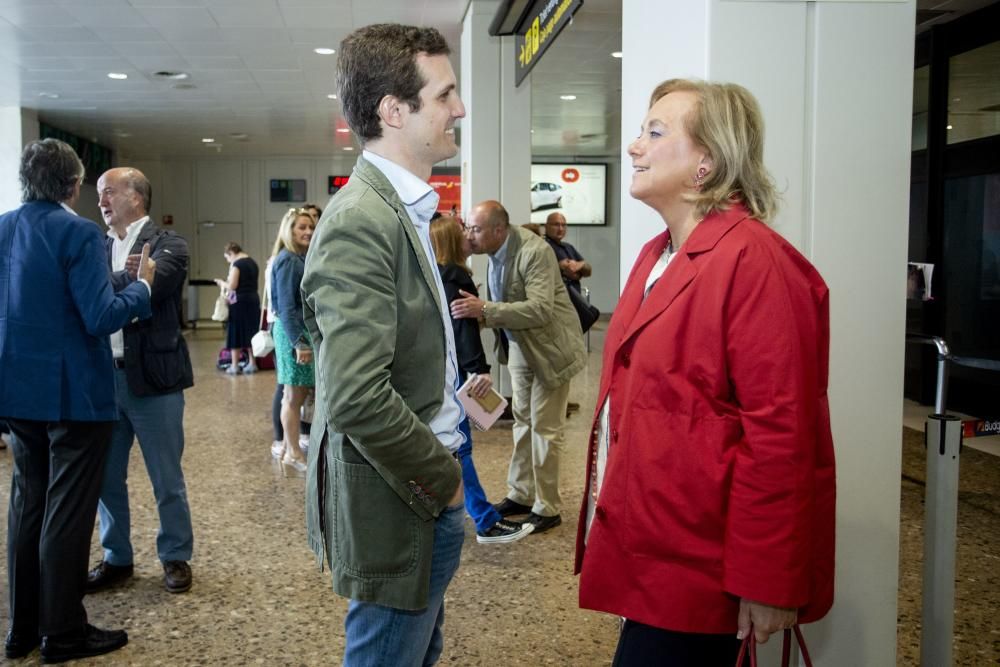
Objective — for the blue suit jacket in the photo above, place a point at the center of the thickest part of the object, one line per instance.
(57, 310)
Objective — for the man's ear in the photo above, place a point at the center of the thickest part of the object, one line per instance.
(390, 111)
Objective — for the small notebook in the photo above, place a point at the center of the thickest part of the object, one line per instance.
(482, 412)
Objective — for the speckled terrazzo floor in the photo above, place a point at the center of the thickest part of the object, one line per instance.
(259, 599)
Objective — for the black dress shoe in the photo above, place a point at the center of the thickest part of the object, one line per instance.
(176, 576)
(106, 575)
(87, 643)
(17, 645)
(543, 523)
(508, 507)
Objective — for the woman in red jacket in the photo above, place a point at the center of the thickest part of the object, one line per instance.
(710, 504)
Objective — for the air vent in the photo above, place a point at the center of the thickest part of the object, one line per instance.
(171, 76)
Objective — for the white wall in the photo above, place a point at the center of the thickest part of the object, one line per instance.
(834, 82)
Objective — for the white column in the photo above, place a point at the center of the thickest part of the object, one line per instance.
(10, 157)
(496, 133)
(834, 82)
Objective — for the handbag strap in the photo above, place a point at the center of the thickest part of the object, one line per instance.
(749, 647)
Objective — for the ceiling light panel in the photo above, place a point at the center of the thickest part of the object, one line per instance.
(37, 15)
(109, 13)
(329, 13)
(175, 18)
(241, 15)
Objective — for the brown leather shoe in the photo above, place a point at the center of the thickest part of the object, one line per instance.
(105, 575)
(177, 576)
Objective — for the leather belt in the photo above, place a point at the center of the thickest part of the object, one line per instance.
(119, 363)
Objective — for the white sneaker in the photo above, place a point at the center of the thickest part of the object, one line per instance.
(277, 449)
(505, 531)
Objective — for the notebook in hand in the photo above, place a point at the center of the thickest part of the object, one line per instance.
(483, 412)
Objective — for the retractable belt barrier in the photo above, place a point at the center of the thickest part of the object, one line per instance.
(943, 441)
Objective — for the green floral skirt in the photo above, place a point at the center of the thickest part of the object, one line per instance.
(289, 372)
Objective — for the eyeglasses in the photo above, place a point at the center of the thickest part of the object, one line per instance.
(475, 229)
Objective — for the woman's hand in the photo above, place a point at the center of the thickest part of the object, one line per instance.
(764, 619)
(481, 385)
(222, 283)
(303, 355)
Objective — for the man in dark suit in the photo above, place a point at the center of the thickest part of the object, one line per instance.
(152, 369)
(57, 394)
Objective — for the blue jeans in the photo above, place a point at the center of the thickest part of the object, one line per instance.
(158, 423)
(380, 636)
(479, 508)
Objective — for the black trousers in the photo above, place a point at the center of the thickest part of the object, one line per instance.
(53, 504)
(645, 646)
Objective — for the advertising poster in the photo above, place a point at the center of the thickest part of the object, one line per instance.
(449, 189)
(578, 191)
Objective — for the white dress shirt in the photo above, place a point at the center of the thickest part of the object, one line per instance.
(119, 253)
(420, 201)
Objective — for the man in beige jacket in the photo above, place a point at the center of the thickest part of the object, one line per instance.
(538, 337)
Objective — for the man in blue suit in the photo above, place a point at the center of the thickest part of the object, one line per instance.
(57, 394)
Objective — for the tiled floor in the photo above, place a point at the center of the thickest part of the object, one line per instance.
(259, 598)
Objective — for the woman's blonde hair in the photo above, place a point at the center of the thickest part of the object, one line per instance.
(446, 238)
(726, 121)
(285, 241)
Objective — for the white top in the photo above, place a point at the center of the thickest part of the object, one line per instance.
(119, 253)
(603, 441)
(420, 201)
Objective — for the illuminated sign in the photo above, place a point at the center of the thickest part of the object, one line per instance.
(334, 183)
(544, 21)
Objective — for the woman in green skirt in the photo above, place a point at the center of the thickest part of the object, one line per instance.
(292, 347)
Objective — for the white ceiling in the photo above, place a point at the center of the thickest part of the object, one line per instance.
(253, 71)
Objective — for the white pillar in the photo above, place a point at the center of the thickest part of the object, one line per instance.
(834, 81)
(496, 131)
(15, 131)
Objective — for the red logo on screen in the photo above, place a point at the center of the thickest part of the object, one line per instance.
(570, 175)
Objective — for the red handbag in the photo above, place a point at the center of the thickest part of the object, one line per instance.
(749, 645)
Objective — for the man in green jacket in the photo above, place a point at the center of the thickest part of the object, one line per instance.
(384, 495)
(529, 308)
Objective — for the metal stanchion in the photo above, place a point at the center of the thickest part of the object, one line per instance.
(943, 438)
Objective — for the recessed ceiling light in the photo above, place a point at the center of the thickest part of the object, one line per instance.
(123, 135)
(51, 96)
(348, 148)
(567, 97)
(173, 76)
(331, 97)
(343, 130)
(616, 54)
(117, 75)
(323, 51)
(207, 140)
(948, 128)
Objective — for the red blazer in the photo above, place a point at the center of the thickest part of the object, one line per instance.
(720, 478)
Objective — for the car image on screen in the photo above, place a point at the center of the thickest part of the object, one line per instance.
(545, 195)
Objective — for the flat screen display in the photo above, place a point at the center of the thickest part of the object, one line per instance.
(288, 189)
(578, 191)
